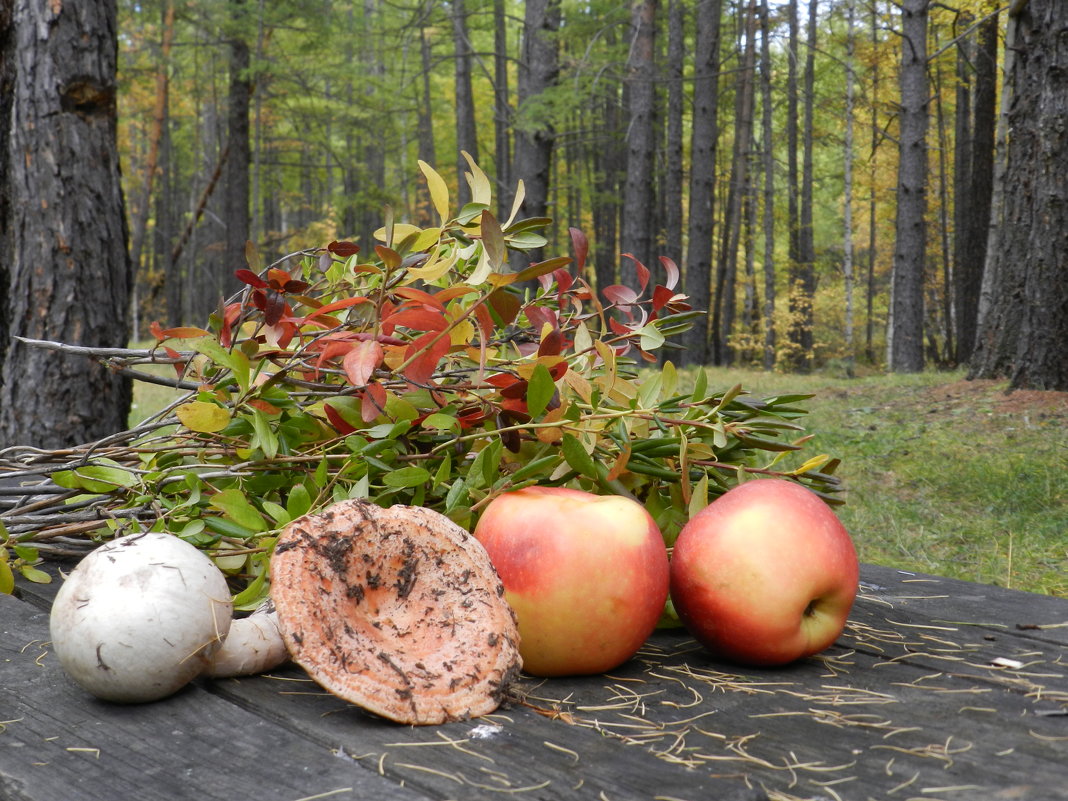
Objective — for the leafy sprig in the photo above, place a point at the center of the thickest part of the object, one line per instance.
(441, 370)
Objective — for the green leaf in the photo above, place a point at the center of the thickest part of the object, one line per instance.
(263, 437)
(236, 507)
(650, 337)
(299, 501)
(7, 578)
(439, 421)
(253, 595)
(576, 457)
(95, 478)
(31, 573)
(540, 390)
(406, 477)
(277, 513)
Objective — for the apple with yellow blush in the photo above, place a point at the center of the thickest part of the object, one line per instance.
(764, 575)
(587, 575)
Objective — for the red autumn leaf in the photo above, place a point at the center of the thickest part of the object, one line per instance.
(418, 319)
(517, 389)
(337, 421)
(672, 270)
(294, 287)
(622, 296)
(501, 379)
(552, 344)
(539, 316)
(619, 328)
(505, 305)
(337, 305)
(250, 278)
(274, 308)
(661, 296)
(264, 406)
(557, 370)
(361, 361)
(581, 246)
(343, 249)
(427, 353)
(372, 402)
(641, 270)
(411, 293)
(564, 280)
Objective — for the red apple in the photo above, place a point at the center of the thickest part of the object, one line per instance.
(587, 575)
(765, 574)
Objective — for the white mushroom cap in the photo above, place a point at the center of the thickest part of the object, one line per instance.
(140, 617)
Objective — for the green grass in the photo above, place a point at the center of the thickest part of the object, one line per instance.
(943, 475)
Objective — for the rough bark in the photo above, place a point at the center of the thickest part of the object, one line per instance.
(769, 186)
(502, 114)
(1023, 335)
(535, 136)
(705, 133)
(63, 234)
(638, 193)
(974, 205)
(236, 196)
(466, 128)
(910, 247)
(723, 308)
(673, 168)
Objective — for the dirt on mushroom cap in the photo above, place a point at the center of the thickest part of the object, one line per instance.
(397, 610)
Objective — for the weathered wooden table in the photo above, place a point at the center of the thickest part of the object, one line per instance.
(938, 689)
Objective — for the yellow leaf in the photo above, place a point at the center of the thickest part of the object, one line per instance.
(811, 464)
(552, 433)
(578, 382)
(520, 195)
(433, 269)
(462, 333)
(481, 189)
(202, 416)
(439, 191)
(401, 231)
(483, 270)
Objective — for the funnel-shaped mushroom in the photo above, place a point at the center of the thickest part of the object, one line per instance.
(397, 610)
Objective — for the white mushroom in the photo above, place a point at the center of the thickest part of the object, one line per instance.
(143, 615)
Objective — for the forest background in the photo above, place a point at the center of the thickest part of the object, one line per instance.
(753, 143)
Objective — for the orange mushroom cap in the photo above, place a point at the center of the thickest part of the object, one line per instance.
(397, 610)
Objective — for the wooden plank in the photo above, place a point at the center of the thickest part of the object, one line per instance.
(57, 742)
(932, 692)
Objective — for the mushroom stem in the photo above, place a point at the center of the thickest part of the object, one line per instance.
(253, 645)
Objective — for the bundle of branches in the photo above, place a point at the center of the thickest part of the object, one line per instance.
(428, 373)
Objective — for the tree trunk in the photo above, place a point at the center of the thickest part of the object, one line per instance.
(698, 274)
(534, 136)
(873, 173)
(502, 112)
(424, 209)
(769, 186)
(805, 285)
(910, 246)
(674, 169)
(638, 193)
(466, 128)
(974, 221)
(847, 189)
(63, 232)
(236, 198)
(797, 304)
(1023, 335)
(723, 309)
